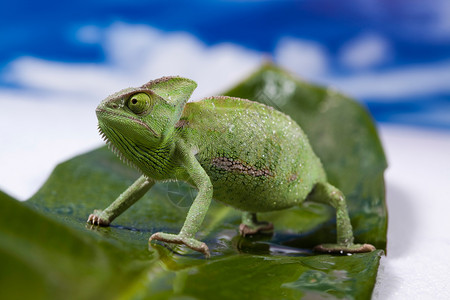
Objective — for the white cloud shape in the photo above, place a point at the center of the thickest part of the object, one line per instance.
(134, 55)
(367, 50)
(411, 81)
(306, 58)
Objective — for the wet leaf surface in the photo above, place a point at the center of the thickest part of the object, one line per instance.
(47, 246)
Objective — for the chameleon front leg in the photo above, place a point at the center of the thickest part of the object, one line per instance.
(250, 225)
(328, 194)
(122, 203)
(197, 210)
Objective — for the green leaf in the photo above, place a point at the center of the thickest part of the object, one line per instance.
(47, 250)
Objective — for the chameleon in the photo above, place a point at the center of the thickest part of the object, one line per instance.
(245, 154)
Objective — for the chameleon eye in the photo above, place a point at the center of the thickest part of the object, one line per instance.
(139, 103)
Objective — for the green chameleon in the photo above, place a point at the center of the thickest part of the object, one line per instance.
(245, 154)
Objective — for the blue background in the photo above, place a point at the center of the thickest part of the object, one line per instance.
(48, 30)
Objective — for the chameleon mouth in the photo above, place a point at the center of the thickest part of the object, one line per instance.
(100, 111)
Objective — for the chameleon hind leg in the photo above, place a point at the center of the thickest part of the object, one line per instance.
(328, 194)
(250, 225)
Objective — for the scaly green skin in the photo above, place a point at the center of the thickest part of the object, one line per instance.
(243, 153)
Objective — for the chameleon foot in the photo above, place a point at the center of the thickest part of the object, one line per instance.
(343, 249)
(97, 219)
(260, 227)
(177, 239)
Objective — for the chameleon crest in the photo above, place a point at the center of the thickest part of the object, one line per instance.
(245, 154)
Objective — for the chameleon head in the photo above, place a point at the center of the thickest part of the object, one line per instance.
(144, 116)
(127, 115)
